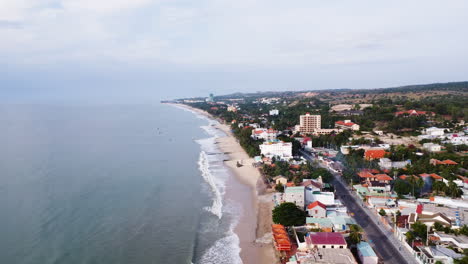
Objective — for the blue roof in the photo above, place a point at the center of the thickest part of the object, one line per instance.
(365, 249)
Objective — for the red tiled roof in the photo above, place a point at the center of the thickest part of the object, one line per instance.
(413, 112)
(375, 154)
(344, 124)
(435, 176)
(290, 184)
(424, 175)
(449, 162)
(315, 204)
(326, 238)
(383, 177)
(365, 174)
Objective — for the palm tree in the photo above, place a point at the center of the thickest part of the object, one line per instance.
(355, 235)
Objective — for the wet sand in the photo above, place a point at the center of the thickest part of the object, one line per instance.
(254, 228)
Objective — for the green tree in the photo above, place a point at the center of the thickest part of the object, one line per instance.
(382, 212)
(279, 187)
(439, 187)
(355, 234)
(288, 214)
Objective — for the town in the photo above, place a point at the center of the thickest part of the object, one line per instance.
(359, 176)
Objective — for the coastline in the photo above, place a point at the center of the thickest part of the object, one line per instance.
(254, 227)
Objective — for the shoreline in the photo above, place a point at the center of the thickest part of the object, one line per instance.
(254, 227)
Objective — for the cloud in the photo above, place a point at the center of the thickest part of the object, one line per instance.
(214, 33)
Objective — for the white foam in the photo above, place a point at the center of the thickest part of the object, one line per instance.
(226, 250)
(204, 166)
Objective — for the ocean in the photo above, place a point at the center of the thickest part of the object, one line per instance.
(113, 184)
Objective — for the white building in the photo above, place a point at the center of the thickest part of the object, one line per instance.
(265, 134)
(281, 150)
(341, 107)
(434, 131)
(327, 198)
(459, 140)
(388, 164)
(232, 108)
(432, 147)
(274, 112)
(294, 195)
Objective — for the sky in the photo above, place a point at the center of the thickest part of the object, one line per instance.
(147, 50)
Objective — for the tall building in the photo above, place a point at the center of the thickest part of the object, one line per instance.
(308, 123)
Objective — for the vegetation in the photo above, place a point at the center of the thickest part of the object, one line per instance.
(288, 214)
(382, 212)
(355, 234)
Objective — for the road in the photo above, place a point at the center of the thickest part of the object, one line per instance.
(383, 242)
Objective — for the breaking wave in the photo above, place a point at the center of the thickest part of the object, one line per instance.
(204, 166)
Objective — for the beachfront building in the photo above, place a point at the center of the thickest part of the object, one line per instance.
(279, 150)
(325, 240)
(280, 180)
(366, 253)
(295, 195)
(264, 134)
(326, 198)
(317, 209)
(308, 123)
(346, 124)
(325, 255)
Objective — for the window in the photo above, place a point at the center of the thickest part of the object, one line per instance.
(341, 246)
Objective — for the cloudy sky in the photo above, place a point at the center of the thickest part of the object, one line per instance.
(153, 49)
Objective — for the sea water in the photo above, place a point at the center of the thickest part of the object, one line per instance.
(113, 184)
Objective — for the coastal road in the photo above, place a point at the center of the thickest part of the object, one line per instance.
(383, 242)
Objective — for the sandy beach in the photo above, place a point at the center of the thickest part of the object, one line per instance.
(254, 228)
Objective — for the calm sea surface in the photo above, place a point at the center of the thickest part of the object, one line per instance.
(112, 184)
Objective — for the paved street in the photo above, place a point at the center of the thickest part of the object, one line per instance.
(383, 241)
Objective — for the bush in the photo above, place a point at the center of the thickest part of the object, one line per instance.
(288, 214)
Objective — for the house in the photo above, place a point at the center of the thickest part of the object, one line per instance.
(265, 134)
(280, 179)
(432, 147)
(388, 164)
(436, 254)
(430, 220)
(317, 209)
(325, 240)
(294, 195)
(281, 150)
(324, 224)
(326, 198)
(372, 154)
(443, 162)
(434, 131)
(460, 140)
(324, 256)
(341, 223)
(346, 124)
(366, 253)
(232, 108)
(341, 107)
(312, 185)
(460, 241)
(413, 112)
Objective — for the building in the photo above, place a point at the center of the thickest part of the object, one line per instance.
(442, 162)
(460, 241)
(434, 131)
(341, 107)
(324, 224)
(326, 198)
(372, 154)
(294, 195)
(308, 123)
(432, 147)
(366, 253)
(388, 164)
(413, 112)
(325, 240)
(280, 179)
(346, 124)
(232, 108)
(265, 134)
(280, 150)
(326, 131)
(458, 140)
(274, 112)
(436, 254)
(317, 209)
(325, 256)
